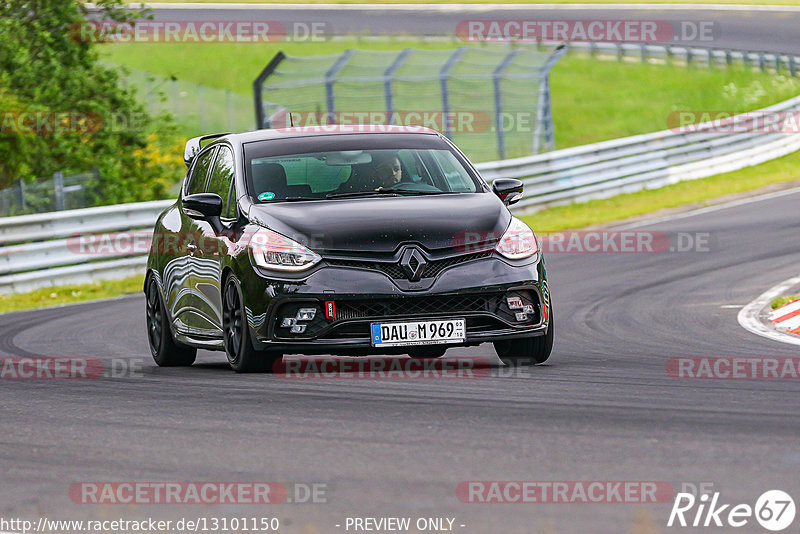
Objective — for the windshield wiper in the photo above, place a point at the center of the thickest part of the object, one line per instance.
(298, 199)
(379, 191)
(421, 192)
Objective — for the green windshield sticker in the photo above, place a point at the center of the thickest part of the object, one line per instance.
(269, 195)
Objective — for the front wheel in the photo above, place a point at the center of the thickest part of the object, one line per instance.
(529, 350)
(242, 357)
(165, 351)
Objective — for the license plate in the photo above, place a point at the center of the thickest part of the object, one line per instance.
(418, 333)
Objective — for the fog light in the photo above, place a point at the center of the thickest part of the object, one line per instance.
(288, 321)
(515, 303)
(521, 316)
(298, 329)
(306, 314)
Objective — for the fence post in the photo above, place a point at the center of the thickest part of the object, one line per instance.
(388, 75)
(498, 102)
(619, 52)
(761, 61)
(644, 52)
(792, 67)
(444, 73)
(58, 190)
(330, 79)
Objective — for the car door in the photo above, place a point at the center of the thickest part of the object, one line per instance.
(211, 247)
(180, 272)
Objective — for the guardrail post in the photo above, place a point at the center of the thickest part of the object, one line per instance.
(728, 58)
(792, 66)
(688, 56)
(444, 74)
(58, 190)
(21, 187)
(778, 63)
(761, 61)
(644, 52)
(620, 52)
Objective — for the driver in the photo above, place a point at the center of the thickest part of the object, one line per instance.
(388, 170)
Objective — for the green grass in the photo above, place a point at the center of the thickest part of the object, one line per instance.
(56, 296)
(593, 100)
(595, 212)
(783, 301)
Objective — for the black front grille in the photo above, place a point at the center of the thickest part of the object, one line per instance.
(393, 269)
(409, 306)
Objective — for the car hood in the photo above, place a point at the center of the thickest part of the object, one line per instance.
(375, 225)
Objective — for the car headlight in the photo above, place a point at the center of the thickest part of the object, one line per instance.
(273, 251)
(518, 242)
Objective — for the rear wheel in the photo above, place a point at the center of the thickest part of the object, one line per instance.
(242, 357)
(165, 351)
(526, 351)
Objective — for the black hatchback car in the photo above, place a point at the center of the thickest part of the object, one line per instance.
(342, 240)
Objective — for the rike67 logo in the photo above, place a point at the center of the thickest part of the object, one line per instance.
(774, 510)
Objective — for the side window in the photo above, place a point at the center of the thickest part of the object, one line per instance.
(221, 177)
(197, 182)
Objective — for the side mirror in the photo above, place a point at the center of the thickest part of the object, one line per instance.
(508, 189)
(204, 207)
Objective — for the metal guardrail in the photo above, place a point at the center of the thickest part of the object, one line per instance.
(43, 250)
(644, 161)
(39, 250)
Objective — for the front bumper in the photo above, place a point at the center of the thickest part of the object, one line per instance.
(475, 290)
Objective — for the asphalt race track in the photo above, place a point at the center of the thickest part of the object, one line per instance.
(760, 30)
(602, 409)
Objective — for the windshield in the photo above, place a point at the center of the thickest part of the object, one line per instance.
(356, 173)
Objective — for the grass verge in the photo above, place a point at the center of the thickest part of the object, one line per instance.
(57, 296)
(783, 301)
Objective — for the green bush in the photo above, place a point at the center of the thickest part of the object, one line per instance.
(44, 69)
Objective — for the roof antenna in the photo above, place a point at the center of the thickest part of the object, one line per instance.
(291, 121)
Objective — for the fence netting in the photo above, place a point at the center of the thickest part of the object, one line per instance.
(494, 103)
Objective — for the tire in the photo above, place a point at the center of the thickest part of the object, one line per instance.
(242, 357)
(166, 352)
(526, 351)
(428, 352)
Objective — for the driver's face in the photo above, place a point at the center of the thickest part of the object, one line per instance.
(390, 173)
